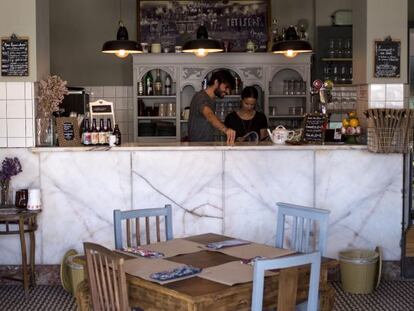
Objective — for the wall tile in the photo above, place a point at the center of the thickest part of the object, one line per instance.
(29, 108)
(3, 128)
(16, 128)
(30, 142)
(395, 104)
(120, 91)
(16, 142)
(120, 103)
(3, 109)
(3, 142)
(29, 127)
(3, 90)
(97, 92)
(16, 109)
(122, 116)
(376, 104)
(28, 86)
(376, 92)
(395, 92)
(129, 91)
(109, 91)
(15, 90)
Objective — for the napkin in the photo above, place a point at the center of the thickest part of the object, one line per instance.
(226, 243)
(142, 252)
(175, 273)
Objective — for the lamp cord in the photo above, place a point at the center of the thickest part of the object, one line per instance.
(120, 11)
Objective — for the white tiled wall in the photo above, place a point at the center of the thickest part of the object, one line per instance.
(123, 101)
(16, 114)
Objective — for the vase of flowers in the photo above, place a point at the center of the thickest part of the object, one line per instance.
(51, 92)
(10, 167)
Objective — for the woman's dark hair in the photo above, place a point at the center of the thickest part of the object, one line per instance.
(222, 76)
(249, 92)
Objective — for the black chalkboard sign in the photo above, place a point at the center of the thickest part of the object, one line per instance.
(315, 128)
(387, 59)
(68, 132)
(14, 57)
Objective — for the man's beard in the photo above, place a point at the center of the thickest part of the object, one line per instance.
(219, 93)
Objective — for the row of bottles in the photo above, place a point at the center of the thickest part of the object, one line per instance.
(100, 135)
(157, 87)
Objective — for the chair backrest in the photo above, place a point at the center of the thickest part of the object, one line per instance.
(133, 217)
(261, 266)
(304, 220)
(106, 278)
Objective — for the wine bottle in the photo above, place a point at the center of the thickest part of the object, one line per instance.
(117, 134)
(148, 85)
(108, 130)
(86, 134)
(158, 83)
(102, 133)
(94, 134)
(168, 90)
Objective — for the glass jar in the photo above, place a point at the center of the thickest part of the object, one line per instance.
(4, 184)
(45, 132)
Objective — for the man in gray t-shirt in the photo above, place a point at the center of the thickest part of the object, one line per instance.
(203, 121)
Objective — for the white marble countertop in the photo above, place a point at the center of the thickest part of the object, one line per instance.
(162, 146)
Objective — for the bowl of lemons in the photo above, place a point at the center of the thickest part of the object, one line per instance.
(351, 128)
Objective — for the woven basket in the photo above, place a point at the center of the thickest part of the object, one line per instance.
(389, 140)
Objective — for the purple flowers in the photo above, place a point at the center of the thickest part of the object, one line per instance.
(9, 168)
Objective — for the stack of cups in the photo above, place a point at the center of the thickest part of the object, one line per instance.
(34, 202)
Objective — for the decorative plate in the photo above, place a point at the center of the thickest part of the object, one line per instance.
(65, 271)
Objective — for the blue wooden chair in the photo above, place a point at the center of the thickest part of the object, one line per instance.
(133, 216)
(260, 266)
(302, 227)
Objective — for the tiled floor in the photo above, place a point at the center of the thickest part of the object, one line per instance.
(390, 296)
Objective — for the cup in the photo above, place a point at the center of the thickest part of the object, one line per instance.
(34, 202)
(171, 110)
(112, 140)
(162, 110)
(156, 48)
(178, 49)
(21, 198)
(166, 50)
(145, 47)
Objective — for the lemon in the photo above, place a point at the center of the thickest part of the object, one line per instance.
(345, 122)
(353, 122)
(352, 114)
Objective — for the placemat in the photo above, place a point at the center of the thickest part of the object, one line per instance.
(252, 250)
(230, 273)
(143, 268)
(174, 247)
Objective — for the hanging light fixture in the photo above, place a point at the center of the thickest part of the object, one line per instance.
(202, 45)
(122, 46)
(291, 45)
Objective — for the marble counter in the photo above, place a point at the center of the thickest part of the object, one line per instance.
(230, 190)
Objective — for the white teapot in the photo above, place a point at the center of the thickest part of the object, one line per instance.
(280, 134)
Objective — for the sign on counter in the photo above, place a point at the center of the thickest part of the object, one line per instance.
(387, 59)
(14, 57)
(314, 131)
(68, 132)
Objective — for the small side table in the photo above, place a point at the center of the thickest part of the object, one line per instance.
(14, 220)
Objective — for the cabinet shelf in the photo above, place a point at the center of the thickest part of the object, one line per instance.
(156, 96)
(184, 121)
(285, 117)
(287, 96)
(155, 118)
(327, 59)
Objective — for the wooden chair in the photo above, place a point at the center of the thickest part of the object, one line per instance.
(287, 294)
(303, 224)
(106, 278)
(134, 216)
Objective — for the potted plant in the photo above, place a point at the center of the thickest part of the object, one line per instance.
(51, 93)
(9, 168)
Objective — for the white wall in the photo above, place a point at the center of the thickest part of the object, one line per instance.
(42, 39)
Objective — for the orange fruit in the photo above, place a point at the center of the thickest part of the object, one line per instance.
(353, 122)
(345, 122)
(352, 114)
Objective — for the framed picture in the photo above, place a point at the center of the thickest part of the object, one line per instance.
(68, 132)
(172, 23)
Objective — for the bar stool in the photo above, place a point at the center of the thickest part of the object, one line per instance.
(19, 221)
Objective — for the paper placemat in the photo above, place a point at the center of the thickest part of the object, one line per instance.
(143, 268)
(174, 247)
(230, 273)
(252, 250)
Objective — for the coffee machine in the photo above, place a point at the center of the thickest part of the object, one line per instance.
(76, 101)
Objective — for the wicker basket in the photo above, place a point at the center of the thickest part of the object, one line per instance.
(389, 140)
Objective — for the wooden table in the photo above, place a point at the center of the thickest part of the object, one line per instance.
(19, 221)
(197, 294)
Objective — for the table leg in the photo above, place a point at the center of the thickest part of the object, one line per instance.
(32, 258)
(24, 257)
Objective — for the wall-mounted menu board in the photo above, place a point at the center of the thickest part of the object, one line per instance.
(14, 57)
(387, 59)
(314, 132)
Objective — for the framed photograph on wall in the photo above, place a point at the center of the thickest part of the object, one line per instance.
(172, 23)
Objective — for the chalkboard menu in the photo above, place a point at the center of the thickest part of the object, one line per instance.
(14, 57)
(387, 59)
(315, 128)
(68, 132)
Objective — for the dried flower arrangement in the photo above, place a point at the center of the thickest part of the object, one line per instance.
(10, 167)
(51, 93)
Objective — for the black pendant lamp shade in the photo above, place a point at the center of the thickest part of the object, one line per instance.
(122, 46)
(291, 46)
(202, 45)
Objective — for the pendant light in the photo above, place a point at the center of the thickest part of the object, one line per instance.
(202, 45)
(291, 45)
(122, 46)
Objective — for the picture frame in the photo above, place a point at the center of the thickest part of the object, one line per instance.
(68, 132)
(172, 23)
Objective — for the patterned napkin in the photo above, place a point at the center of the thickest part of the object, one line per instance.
(142, 252)
(251, 261)
(176, 273)
(226, 243)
